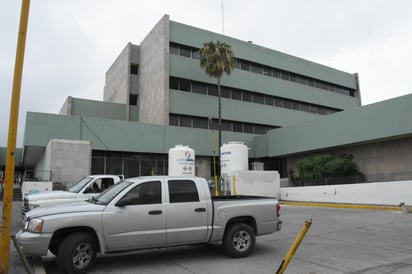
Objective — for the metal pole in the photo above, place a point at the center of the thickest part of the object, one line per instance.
(294, 247)
(11, 143)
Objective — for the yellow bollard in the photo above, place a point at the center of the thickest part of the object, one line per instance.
(11, 142)
(294, 247)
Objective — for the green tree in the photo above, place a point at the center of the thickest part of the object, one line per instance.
(326, 165)
(217, 58)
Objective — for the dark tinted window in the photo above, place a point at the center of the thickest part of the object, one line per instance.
(134, 69)
(185, 121)
(236, 94)
(173, 120)
(199, 122)
(185, 51)
(247, 96)
(212, 90)
(199, 87)
(225, 92)
(145, 193)
(182, 191)
(269, 100)
(237, 127)
(185, 85)
(174, 83)
(258, 98)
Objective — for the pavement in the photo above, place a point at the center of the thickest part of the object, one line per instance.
(340, 240)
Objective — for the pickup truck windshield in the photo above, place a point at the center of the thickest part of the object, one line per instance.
(80, 184)
(106, 196)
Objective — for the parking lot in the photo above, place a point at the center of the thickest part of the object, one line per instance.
(339, 241)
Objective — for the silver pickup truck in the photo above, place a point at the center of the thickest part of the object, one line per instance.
(146, 212)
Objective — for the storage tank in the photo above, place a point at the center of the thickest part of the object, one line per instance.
(233, 156)
(181, 161)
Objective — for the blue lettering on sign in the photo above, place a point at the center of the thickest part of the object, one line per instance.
(226, 153)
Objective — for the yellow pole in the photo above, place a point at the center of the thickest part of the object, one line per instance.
(294, 247)
(11, 142)
(234, 185)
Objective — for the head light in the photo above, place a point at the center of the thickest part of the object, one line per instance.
(33, 205)
(34, 225)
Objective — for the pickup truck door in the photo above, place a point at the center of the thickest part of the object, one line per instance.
(187, 217)
(140, 222)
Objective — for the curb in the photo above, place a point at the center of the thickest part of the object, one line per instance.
(333, 205)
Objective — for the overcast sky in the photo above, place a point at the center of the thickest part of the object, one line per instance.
(71, 44)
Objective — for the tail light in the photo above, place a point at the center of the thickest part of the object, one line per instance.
(278, 209)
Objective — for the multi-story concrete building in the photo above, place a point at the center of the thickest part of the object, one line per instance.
(156, 96)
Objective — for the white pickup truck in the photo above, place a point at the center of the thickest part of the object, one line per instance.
(84, 189)
(146, 212)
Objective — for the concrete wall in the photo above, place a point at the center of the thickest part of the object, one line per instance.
(98, 109)
(117, 83)
(203, 167)
(386, 193)
(153, 99)
(68, 160)
(67, 107)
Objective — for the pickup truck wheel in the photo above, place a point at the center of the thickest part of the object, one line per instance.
(77, 253)
(239, 240)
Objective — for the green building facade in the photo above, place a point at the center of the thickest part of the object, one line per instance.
(156, 96)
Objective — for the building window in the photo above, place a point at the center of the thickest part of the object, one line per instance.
(246, 96)
(198, 87)
(236, 94)
(133, 99)
(184, 85)
(258, 98)
(173, 120)
(185, 51)
(237, 127)
(199, 122)
(191, 52)
(134, 69)
(225, 92)
(212, 90)
(185, 121)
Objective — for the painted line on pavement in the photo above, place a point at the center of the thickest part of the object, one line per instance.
(355, 206)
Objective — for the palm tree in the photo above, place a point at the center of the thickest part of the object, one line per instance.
(217, 58)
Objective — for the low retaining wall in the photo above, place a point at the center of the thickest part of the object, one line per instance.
(385, 193)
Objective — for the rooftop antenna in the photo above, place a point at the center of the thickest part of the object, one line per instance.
(223, 18)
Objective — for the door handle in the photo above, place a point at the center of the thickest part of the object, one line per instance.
(155, 212)
(200, 209)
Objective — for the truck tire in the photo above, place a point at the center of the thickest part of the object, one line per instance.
(239, 240)
(77, 253)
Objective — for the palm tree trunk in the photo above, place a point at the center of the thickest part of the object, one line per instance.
(220, 122)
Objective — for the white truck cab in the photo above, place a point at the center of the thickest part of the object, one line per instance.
(84, 189)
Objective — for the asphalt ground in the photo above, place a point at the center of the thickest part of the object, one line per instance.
(340, 240)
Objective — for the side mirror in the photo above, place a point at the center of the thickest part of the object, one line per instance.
(124, 202)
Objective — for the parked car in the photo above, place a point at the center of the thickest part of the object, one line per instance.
(147, 212)
(85, 188)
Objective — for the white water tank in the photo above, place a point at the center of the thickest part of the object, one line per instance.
(233, 156)
(181, 161)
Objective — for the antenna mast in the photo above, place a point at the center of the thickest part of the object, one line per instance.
(223, 18)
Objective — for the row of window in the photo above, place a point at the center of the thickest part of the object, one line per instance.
(192, 52)
(227, 125)
(180, 191)
(142, 164)
(247, 96)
